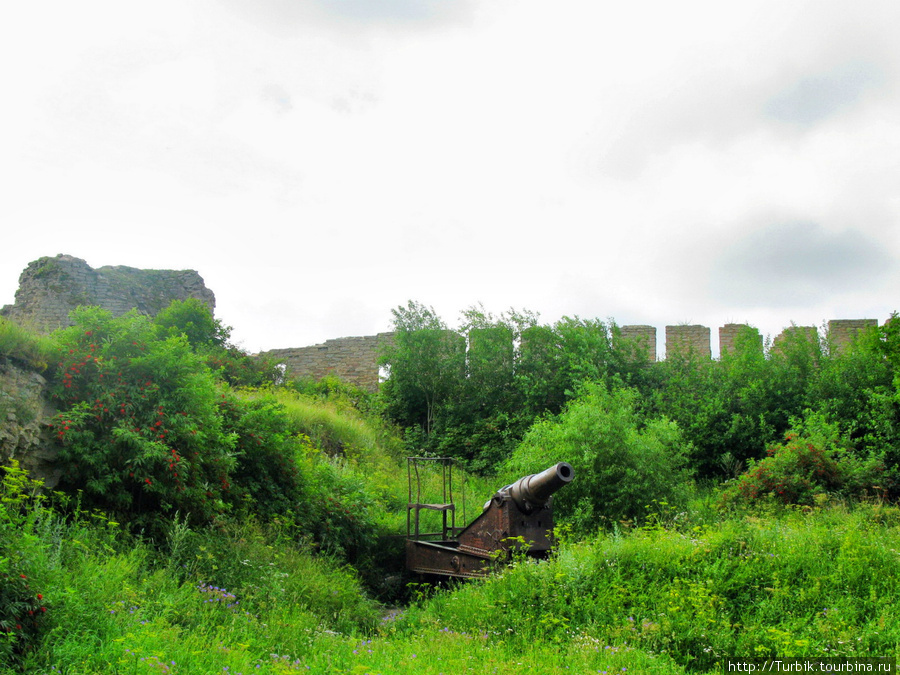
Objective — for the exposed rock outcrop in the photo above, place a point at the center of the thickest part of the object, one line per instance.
(24, 415)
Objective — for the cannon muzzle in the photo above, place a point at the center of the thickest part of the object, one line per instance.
(534, 491)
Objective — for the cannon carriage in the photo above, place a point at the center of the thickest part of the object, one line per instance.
(518, 516)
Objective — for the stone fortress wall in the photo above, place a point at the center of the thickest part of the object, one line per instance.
(355, 359)
(49, 288)
(352, 359)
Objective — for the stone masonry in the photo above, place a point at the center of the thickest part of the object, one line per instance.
(352, 359)
(842, 332)
(25, 411)
(731, 333)
(50, 288)
(643, 336)
(688, 339)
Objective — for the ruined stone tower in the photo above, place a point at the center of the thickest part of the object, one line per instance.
(50, 288)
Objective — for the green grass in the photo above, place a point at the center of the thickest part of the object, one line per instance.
(115, 606)
(788, 584)
(366, 457)
(674, 596)
(651, 600)
(24, 345)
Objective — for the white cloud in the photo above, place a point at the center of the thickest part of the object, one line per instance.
(320, 163)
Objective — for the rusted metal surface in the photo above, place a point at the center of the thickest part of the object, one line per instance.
(518, 516)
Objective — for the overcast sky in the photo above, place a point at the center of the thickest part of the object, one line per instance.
(319, 162)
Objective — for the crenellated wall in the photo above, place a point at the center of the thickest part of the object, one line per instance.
(684, 339)
(49, 288)
(355, 359)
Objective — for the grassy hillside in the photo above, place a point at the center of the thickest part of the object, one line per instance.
(206, 524)
(672, 597)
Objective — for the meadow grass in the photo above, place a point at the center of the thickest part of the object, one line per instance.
(787, 584)
(647, 600)
(116, 608)
(676, 595)
(25, 345)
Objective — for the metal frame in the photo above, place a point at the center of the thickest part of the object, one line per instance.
(444, 506)
(518, 516)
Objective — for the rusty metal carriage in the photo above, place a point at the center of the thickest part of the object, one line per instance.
(518, 516)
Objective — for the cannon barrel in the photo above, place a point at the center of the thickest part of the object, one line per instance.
(534, 491)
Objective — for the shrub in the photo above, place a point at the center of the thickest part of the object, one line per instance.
(140, 428)
(810, 463)
(265, 478)
(22, 608)
(193, 320)
(621, 467)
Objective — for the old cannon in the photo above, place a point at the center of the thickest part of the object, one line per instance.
(518, 516)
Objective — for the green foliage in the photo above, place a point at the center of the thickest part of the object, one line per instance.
(148, 433)
(239, 369)
(25, 346)
(230, 599)
(339, 515)
(789, 585)
(427, 364)
(732, 409)
(22, 608)
(193, 319)
(338, 394)
(728, 409)
(621, 465)
(140, 428)
(265, 480)
(355, 490)
(473, 392)
(811, 465)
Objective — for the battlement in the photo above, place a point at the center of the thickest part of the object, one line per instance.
(50, 288)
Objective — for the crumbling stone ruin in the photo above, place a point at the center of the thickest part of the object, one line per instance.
(50, 288)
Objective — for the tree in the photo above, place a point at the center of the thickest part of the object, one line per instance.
(622, 462)
(426, 362)
(193, 319)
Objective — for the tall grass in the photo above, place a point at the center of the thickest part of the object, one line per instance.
(225, 603)
(788, 584)
(24, 345)
(116, 608)
(664, 598)
(364, 451)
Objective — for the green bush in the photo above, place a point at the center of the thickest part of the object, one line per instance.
(811, 464)
(621, 465)
(140, 429)
(22, 608)
(193, 320)
(265, 479)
